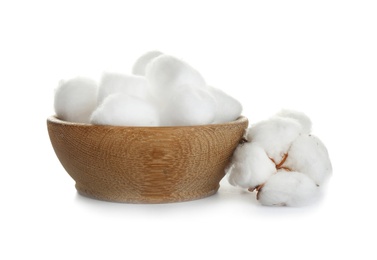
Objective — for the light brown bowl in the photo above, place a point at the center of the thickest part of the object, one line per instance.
(145, 164)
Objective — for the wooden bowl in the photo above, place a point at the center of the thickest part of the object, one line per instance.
(145, 164)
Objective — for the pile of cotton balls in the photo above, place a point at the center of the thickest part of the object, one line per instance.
(282, 161)
(162, 91)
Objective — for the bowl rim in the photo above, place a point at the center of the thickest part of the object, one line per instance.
(54, 119)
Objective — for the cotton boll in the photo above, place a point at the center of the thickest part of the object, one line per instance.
(309, 156)
(125, 110)
(288, 189)
(112, 83)
(140, 65)
(251, 166)
(303, 119)
(75, 99)
(189, 106)
(227, 108)
(165, 73)
(275, 136)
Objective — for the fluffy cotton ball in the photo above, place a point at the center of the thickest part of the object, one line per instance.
(301, 159)
(250, 166)
(275, 136)
(125, 110)
(141, 63)
(288, 189)
(75, 100)
(227, 108)
(309, 156)
(303, 119)
(189, 106)
(165, 73)
(112, 83)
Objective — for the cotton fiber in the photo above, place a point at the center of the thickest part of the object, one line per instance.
(125, 110)
(275, 136)
(227, 108)
(163, 90)
(165, 73)
(281, 161)
(189, 105)
(75, 99)
(140, 65)
(309, 156)
(303, 119)
(251, 166)
(288, 189)
(112, 83)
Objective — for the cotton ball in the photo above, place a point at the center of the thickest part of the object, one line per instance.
(189, 106)
(288, 189)
(125, 110)
(165, 73)
(275, 136)
(112, 83)
(227, 108)
(141, 63)
(75, 99)
(303, 119)
(251, 166)
(309, 156)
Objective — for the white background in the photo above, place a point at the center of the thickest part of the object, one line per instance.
(319, 57)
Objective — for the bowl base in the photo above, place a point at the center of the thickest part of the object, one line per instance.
(126, 198)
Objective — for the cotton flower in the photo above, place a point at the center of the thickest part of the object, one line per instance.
(251, 166)
(75, 99)
(275, 136)
(288, 189)
(303, 119)
(125, 110)
(309, 155)
(290, 165)
(139, 68)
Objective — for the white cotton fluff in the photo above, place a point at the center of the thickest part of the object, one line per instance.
(188, 106)
(288, 189)
(309, 156)
(165, 73)
(112, 83)
(300, 161)
(227, 108)
(275, 136)
(125, 110)
(302, 118)
(250, 166)
(141, 63)
(75, 99)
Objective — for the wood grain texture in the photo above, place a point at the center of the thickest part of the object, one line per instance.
(145, 164)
